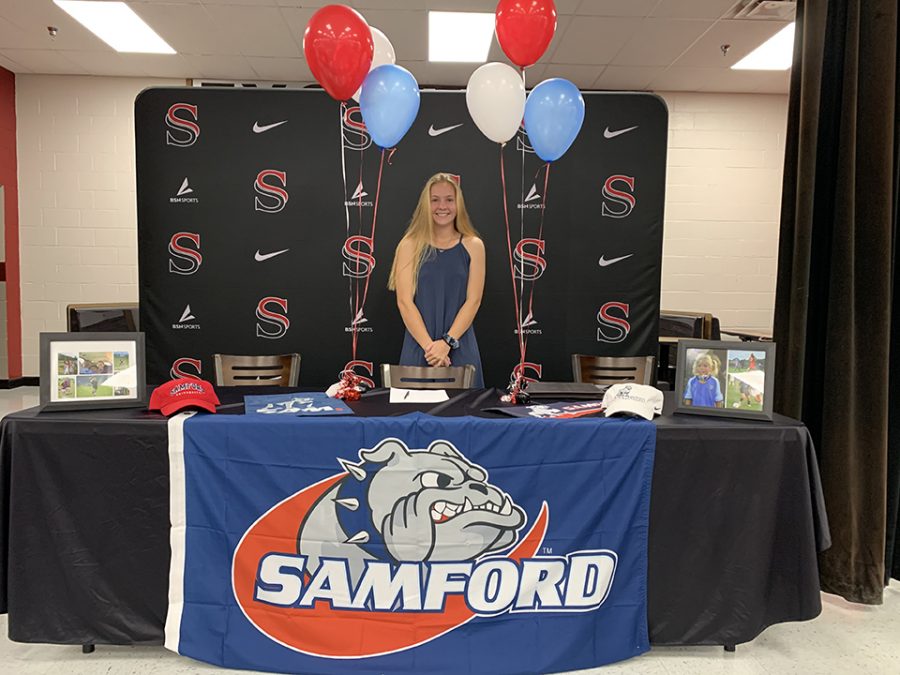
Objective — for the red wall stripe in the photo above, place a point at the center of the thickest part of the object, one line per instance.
(10, 182)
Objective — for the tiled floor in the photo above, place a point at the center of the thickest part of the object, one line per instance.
(846, 639)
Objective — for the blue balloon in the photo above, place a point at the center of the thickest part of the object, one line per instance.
(389, 103)
(554, 113)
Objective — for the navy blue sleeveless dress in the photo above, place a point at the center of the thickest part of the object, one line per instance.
(440, 292)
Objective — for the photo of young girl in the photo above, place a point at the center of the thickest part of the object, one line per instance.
(704, 388)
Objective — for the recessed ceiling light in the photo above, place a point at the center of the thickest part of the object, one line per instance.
(117, 25)
(776, 53)
(460, 37)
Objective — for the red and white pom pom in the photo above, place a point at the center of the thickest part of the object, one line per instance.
(349, 388)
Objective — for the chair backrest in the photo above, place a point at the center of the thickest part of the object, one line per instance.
(280, 370)
(702, 325)
(422, 377)
(612, 369)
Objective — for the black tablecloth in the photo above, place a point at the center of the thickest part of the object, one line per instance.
(736, 520)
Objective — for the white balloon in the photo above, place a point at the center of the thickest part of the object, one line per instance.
(495, 97)
(384, 53)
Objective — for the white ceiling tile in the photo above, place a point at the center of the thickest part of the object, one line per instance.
(444, 74)
(582, 77)
(165, 65)
(692, 9)
(212, 38)
(281, 70)
(44, 61)
(636, 8)
(220, 67)
(658, 42)
(743, 36)
(679, 78)
(187, 28)
(593, 40)
(407, 31)
(308, 3)
(110, 63)
(11, 65)
(627, 78)
(565, 6)
(296, 19)
(255, 3)
(562, 25)
(25, 27)
(775, 82)
(255, 31)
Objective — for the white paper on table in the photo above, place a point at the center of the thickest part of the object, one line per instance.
(418, 395)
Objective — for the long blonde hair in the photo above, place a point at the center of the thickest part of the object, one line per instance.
(421, 226)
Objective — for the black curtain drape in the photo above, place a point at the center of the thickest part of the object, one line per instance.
(836, 306)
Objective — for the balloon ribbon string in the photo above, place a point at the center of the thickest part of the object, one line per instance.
(342, 113)
(512, 270)
(540, 235)
(372, 249)
(354, 279)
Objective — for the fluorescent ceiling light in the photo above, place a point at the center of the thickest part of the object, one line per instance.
(117, 25)
(460, 37)
(776, 53)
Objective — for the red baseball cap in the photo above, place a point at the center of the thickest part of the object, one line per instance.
(183, 392)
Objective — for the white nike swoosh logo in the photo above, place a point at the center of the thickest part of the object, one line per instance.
(612, 134)
(437, 132)
(605, 263)
(265, 256)
(258, 129)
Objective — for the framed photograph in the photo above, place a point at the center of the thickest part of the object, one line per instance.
(92, 371)
(727, 379)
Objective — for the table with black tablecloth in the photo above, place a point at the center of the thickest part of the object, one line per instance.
(736, 521)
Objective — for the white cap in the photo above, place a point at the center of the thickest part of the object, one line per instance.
(638, 399)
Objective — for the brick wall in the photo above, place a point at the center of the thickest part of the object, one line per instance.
(723, 202)
(78, 214)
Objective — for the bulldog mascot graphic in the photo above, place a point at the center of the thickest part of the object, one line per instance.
(401, 505)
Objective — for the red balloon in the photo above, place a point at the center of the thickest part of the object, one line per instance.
(338, 47)
(525, 28)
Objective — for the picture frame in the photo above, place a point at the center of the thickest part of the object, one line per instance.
(92, 370)
(725, 378)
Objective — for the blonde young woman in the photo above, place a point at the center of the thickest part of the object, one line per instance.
(438, 274)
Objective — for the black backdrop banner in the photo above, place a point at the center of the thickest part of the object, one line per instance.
(255, 220)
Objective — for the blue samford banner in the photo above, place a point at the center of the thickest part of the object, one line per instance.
(409, 544)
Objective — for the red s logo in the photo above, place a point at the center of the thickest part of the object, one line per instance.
(613, 329)
(177, 371)
(279, 322)
(366, 366)
(182, 132)
(354, 129)
(529, 266)
(362, 262)
(625, 201)
(522, 368)
(276, 195)
(189, 258)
